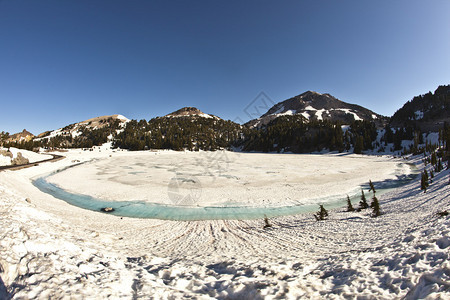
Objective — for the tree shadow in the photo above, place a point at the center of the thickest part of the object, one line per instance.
(4, 291)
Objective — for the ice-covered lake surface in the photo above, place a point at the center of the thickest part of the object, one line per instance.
(220, 185)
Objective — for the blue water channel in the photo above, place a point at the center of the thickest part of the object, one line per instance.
(143, 209)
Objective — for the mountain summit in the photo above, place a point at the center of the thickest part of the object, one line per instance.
(189, 112)
(21, 136)
(316, 106)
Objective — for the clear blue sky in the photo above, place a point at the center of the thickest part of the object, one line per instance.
(65, 61)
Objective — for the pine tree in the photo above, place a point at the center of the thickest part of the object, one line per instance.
(372, 187)
(349, 204)
(322, 214)
(433, 159)
(424, 182)
(363, 203)
(375, 205)
(359, 144)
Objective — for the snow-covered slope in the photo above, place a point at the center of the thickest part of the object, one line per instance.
(7, 156)
(316, 106)
(75, 129)
(49, 249)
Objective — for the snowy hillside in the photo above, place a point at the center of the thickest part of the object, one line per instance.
(76, 129)
(316, 106)
(50, 249)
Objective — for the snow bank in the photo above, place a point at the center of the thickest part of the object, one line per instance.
(30, 155)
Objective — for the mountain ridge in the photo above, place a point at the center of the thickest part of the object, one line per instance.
(304, 123)
(315, 106)
(428, 112)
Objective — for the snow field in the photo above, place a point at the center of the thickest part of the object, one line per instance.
(51, 249)
(30, 155)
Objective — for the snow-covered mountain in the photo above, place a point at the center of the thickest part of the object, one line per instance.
(85, 134)
(190, 112)
(316, 106)
(77, 129)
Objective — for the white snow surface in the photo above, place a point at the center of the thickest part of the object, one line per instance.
(5, 160)
(50, 249)
(244, 179)
(418, 115)
(432, 138)
(32, 156)
(348, 111)
(123, 118)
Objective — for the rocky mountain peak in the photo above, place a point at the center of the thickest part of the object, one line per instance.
(25, 135)
(189, 112)
(315, 106)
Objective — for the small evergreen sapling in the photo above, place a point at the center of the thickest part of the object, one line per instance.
(322, 214)
(363, 203)
(372, 187)
(375, 205)
(266, 222)
(424, 182)
(349, 204)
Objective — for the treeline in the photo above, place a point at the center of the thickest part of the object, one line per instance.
(178, 133)
(297, 134)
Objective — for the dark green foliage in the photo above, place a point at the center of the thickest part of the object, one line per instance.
(191, 133)
(298, 135)
(322, 214)
(375, 205)
(349, 204)
(3, 137)
(433, 158)
(359, 144)
(363, 203)
(424, 181)
(364, 133)
(433, 106)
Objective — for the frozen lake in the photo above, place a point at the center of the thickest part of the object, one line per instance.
(220, 185)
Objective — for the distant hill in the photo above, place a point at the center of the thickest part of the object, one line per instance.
(187, 128)
(23, 136)
(315, 106)
(426, 112)
(85, 134)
